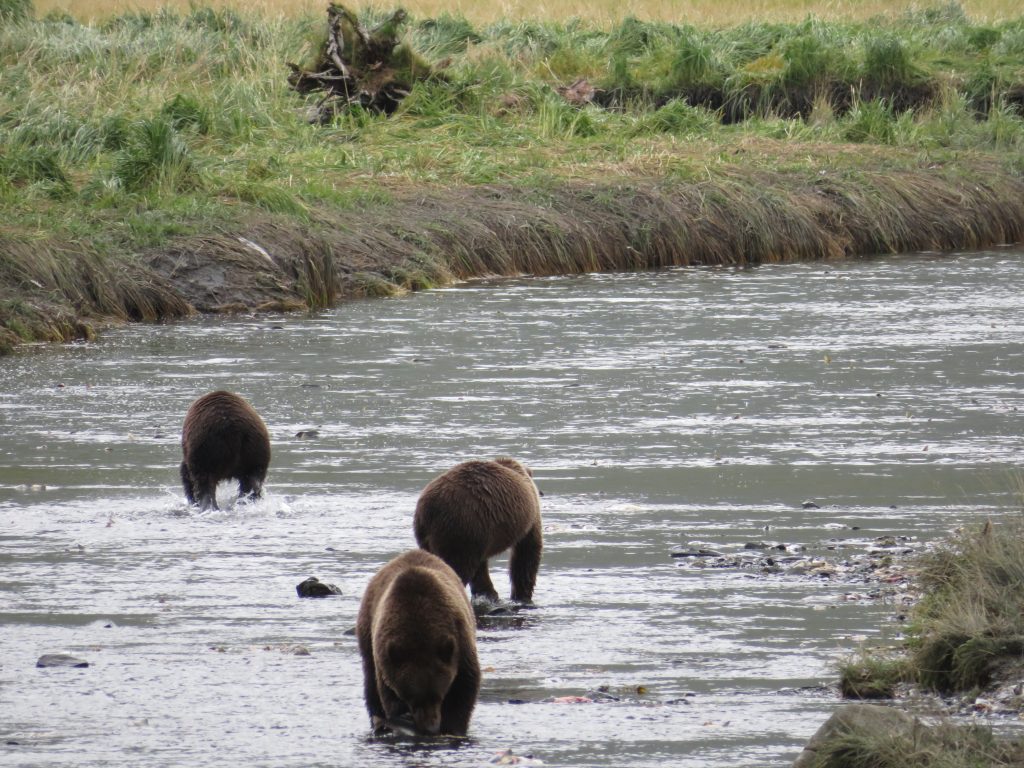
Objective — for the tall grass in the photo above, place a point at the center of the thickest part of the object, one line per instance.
(704, 12)
(972, 618)
(943, 746)
(967, 630)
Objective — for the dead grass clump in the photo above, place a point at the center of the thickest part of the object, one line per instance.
(55, 292)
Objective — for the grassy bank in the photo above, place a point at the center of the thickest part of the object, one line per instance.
(156, 162)
(964, 637)
(967, 631)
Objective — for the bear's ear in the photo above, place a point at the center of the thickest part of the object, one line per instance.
(446, 650)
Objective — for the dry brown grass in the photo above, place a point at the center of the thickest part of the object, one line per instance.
(699, 12)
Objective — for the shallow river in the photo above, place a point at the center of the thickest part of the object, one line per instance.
(687, 409)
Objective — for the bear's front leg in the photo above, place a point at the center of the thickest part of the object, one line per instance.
(480, 584)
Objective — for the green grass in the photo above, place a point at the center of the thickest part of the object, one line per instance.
(151, 126)
(943, 746)
(971, 620)
(966, 631)
(871, 675)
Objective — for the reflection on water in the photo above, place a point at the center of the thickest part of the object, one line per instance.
(690, 407)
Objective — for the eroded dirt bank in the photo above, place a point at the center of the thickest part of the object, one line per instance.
(429, 237)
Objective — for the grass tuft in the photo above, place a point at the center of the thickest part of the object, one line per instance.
(16, 10)
(27, 165)
(155, 157)
(943, 746)
(972, 618)
(186, 112)
(871, 676)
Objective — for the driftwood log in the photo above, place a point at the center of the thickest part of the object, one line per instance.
(372, 69)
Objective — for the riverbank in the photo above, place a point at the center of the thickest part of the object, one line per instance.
(960, 655)
(179, 174)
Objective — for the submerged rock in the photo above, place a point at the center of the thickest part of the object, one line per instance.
(60, 660)
(701, 552)
(313, 587)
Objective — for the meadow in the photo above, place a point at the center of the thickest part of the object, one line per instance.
(600, 12)
(134, 141)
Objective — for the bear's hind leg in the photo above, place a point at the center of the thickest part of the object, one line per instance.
(524, 563)
(200, 490)
(250, 487)
(205, 489)
(480, 585)
(186, 481)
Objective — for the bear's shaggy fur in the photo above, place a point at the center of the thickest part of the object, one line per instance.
(223, 438)
(417, 638)
(477, 510)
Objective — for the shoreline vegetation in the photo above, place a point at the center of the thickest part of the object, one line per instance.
(963, 643)
(157, 163)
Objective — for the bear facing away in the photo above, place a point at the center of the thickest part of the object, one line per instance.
(417, 639)
(223, 439)
(479, 509)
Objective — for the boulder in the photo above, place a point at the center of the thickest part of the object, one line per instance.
(313, 587)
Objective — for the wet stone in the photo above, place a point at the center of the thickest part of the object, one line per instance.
(696, 553)
(313, 587)
(60, 660)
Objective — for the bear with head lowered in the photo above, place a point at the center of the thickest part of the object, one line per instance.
(223, 439)
(479, 509)
(417, 640)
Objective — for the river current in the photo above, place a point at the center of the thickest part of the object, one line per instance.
(824, 407)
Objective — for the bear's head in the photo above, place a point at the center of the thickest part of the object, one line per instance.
(420, 671)
(514, 465)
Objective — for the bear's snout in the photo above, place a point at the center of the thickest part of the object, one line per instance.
(428, 718)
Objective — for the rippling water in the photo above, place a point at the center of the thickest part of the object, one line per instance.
(694, 406)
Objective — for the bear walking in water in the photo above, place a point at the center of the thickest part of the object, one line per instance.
(223, 438)
(417, 639)
(477, 510)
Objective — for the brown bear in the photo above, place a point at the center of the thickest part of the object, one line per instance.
(417, 638)
(477, 510)
(223, 439)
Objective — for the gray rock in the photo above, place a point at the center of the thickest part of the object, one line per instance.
(60, 660)
(313, 587)
(873, 719)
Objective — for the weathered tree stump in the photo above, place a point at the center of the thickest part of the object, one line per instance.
(373, 69)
